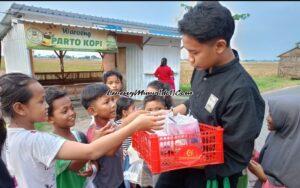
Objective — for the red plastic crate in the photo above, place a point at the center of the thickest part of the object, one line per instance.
(165, 153)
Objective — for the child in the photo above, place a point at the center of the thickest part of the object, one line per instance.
(151, 104)
(62, 116)
(125, 106)
(279, 166)
(30, 154)
(5, 179)
(114, 80)
(157, 85)
(154, 103)
(103, 109)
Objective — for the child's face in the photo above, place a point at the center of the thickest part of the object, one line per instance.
(104, 107)
(151, 89)
(154, 106)
(36, 108)
(114, 83)
(270, 123)
(63, 113)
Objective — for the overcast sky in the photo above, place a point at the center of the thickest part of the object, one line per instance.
(271, 29)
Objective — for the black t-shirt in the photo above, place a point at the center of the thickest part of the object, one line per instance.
(5, 180)
(228, 97)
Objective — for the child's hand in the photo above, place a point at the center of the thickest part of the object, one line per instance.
(257, 170)
(89, 172)
(107, 129)
(133, 115)
(145, 122)
(86, 173)
(136, 113)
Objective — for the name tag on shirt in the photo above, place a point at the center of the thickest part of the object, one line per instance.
(211, 102)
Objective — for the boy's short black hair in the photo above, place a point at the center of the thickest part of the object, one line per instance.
(150, 98)
(14, 89)
(53, 93)
(207, 21)
(91, 93)
(112, 73)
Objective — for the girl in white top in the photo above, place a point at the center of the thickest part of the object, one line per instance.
(30, 154)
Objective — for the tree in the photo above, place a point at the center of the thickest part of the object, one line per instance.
(235, 17)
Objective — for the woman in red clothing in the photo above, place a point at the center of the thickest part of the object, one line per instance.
(165, 74)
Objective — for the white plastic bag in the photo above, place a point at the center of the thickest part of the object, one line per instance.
(139, 173)
(178, 125)
(89, 180)
(181, 124)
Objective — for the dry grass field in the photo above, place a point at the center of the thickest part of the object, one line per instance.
(264, 74)
(257, 69)
(52, 65)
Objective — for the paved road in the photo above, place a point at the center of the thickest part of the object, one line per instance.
(264, 132)
(267, 95)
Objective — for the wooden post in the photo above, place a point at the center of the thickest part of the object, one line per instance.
(101, 54)
(61, 60)
(101, 66)
(61, 56)
(31, 62)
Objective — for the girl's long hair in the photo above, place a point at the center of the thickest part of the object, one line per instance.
(123, 103)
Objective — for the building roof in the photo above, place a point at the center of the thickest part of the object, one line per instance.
(38, 14)
(292, 52)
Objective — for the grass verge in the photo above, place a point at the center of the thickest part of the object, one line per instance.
(264, 83)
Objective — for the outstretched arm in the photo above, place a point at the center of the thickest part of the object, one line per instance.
(77, 151)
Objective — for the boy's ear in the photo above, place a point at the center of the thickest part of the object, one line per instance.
(19, 108)
(221, 46)
(91, 110)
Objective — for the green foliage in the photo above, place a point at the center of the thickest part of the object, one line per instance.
(241, 16)
(185, 87)
(267, 83)
(185, 6)
(235, 17)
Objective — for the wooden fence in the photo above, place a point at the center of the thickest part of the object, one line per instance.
(59, 78)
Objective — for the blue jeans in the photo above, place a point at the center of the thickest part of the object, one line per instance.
(126, 166)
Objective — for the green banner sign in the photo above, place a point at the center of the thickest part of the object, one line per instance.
(53, 37)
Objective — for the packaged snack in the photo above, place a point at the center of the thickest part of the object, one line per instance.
(178, 125)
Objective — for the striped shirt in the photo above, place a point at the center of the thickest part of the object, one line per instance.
(126, 143)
